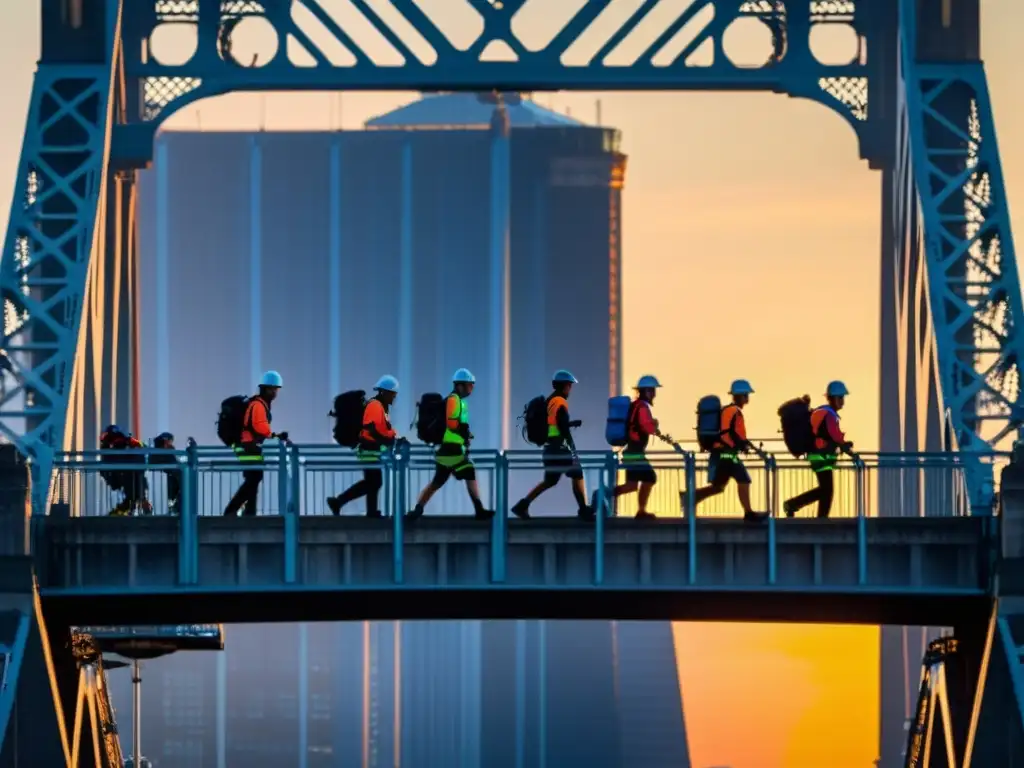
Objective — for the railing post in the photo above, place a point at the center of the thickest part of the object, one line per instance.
(609, 476)
(862, 540)
(188, 525)
(400, 480)
(397, 519)
(860, 478)
(611, 467)
(771, 493)
(290, 481)
(282, 477)
(499, 525)
(691, 516)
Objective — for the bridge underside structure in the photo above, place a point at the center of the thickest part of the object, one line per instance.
(914, 91)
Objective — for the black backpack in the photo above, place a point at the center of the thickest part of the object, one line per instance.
(431, 418)
(229, 421)
(535, 421)
(795, 416)
(115, 477)
(709, 422)
(348, 417)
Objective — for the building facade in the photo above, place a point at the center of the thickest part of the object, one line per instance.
(453, 232)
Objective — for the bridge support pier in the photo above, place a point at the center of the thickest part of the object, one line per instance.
(36, 673)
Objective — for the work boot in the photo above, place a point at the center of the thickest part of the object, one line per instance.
(374, 514)
(585, 513)
(643, 514)
(415, 513)
(752, 516)
(334, 504)
(481, 513)
(521, 509)
(789, 508)
(121, 510)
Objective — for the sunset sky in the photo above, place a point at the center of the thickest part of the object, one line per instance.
(737, 208)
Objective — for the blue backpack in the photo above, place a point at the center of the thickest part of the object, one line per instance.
(709, 422)
(616, 431)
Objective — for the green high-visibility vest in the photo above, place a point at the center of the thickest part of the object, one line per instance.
(451, 436)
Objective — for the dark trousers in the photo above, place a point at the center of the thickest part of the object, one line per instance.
(369, 487)
(173, 486)
(823, 494)
(135, 489)
(245, 496)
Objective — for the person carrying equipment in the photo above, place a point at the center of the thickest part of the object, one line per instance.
(640, 426)
(724, 462)
(452, 457)
(165, 441)
(829, 440)
(376, 435)
(255, 429)
(559, 450)
(132, 482)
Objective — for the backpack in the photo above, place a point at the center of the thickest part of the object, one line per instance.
(115, 478)
(229, 420)
(348, 417)
(535, 421)
(431, 418)
(709, 422)
(795, 416)
(620, 411)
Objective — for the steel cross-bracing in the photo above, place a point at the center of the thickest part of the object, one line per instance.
(69, 259)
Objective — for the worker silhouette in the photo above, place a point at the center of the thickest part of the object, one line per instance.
(249, 449)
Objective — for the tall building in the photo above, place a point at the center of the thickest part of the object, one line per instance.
(299, 694)
(451, 232)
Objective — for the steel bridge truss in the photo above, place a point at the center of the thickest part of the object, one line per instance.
(93, 701)
(932, 703)
(69, 262)
(955, 262)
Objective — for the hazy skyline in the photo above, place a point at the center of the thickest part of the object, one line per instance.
(733, 203)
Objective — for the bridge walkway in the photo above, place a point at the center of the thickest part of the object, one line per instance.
(877, 558)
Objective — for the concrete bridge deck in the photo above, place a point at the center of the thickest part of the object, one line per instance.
(865, 570)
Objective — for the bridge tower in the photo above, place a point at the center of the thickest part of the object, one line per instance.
(915, 94)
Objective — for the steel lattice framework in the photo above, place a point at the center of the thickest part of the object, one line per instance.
(69, 260)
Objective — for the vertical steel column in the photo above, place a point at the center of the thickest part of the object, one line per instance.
(520, 725)
(334, 344)
(222, 710)
(615, 276)
(498, 382)
(538, 284)
(406, 310)
(367, 703)
(303, 651)
(136, 712)
(111, 382)
(474, 691)
(897, 385)
(542, 694)
(396, 663)
(255, 257)
(162, 280)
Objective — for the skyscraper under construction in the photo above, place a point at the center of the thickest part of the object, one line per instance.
(459, 230)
